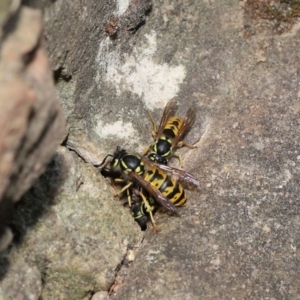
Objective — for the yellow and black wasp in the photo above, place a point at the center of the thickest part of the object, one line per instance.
(160, 181)
(140, 212)
(167, 138)
(169, 135)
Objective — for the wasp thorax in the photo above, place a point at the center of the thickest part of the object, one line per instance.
(132, 163)
(162, 147)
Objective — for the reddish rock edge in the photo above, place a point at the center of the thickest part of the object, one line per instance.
(31, 120)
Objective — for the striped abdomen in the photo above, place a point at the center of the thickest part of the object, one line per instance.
(167, 185)
(172, 127)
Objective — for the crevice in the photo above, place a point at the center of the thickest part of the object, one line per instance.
(127, 261)
(59, 74)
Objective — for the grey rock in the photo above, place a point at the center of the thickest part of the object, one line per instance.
(100, 296)
(68, 229)
(22, 281)
(237, 238)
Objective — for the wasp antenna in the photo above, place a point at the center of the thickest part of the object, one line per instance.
(103, 163)
(118, 148)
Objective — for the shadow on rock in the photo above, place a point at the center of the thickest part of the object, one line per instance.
(35, 203)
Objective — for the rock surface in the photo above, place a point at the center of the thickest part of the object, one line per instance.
(68, 232)
(238, 236)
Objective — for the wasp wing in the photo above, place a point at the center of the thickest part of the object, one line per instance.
(188, 122)
(154, 192)
(182, 176)
(169, 111)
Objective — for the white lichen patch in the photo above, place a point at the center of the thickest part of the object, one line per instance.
(117, 129)
(138, 73)
(122, 6)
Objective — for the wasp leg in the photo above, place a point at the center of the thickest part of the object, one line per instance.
(149, 210)
(147, 150)
(118, 180)
(128, 197)
(178, 155)
(124, 188)
(182, 143)
(154, 131)
(114, 181)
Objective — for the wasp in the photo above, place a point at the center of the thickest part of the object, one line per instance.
(160, 181)
(141, 212)
(169, 134)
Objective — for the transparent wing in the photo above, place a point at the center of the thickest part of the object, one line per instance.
(154, 192)
(182, 176)
(188, 122)
(169, 111)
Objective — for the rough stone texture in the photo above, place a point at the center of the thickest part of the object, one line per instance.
(86, 99)
(100, 296)
(67, 231)
(238, 237)
(22, 281)
(31, 120)
(68, 244)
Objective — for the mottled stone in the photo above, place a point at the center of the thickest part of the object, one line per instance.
(238, 236)
(100, 296)
(72, 229)
(22, 281)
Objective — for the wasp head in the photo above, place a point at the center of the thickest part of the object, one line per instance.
(118, 155)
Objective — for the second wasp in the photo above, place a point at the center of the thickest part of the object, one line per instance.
(169, 134)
